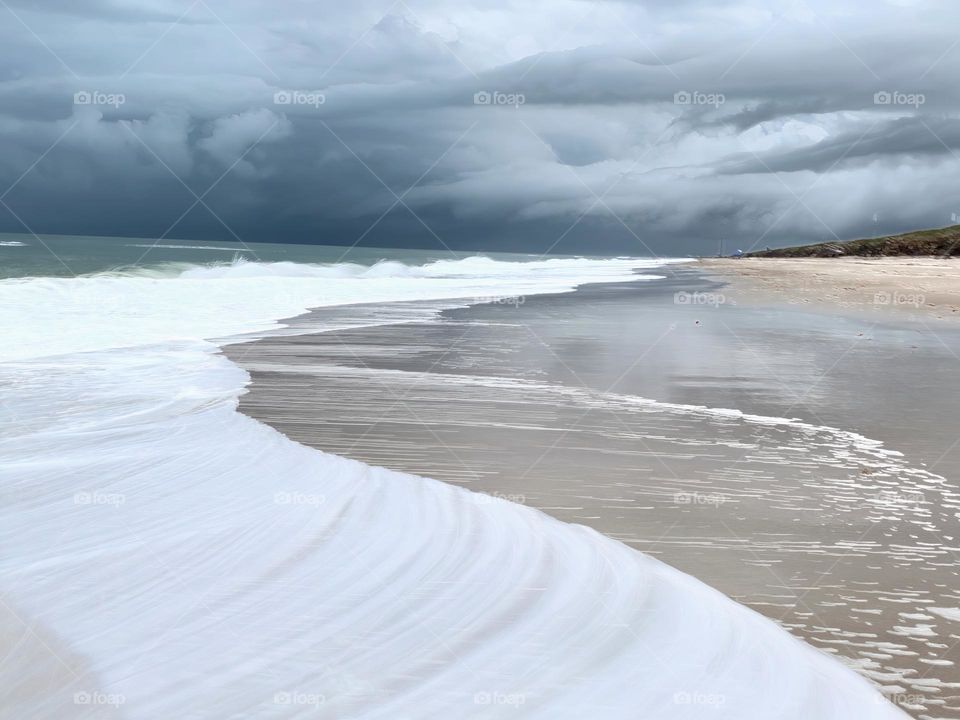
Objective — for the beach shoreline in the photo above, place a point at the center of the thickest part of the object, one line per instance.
(626, 407)
(628, 415)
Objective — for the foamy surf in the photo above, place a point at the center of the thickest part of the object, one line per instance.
(169, 557)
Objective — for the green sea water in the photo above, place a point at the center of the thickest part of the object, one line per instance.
(25, 255)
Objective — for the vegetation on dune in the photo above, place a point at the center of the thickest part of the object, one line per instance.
(942, 241)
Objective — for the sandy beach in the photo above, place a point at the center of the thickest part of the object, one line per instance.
(923, 286)
(751, 442)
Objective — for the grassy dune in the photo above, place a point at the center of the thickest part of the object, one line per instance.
(942, 241)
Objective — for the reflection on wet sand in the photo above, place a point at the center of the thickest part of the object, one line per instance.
(850, 545)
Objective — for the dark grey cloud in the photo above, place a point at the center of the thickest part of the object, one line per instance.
(563, 126)
(910, 137)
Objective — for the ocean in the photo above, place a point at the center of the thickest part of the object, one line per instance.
(66, 256)
(168, 556)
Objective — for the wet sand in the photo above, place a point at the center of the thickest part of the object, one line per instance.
(589, 406)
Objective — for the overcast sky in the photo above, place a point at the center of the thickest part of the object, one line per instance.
(642, 126)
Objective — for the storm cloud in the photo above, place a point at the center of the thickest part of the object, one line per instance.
(542, 126)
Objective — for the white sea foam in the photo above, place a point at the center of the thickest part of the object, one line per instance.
(12, 243)
(50, 316)
(173, 558)
(184, 247)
